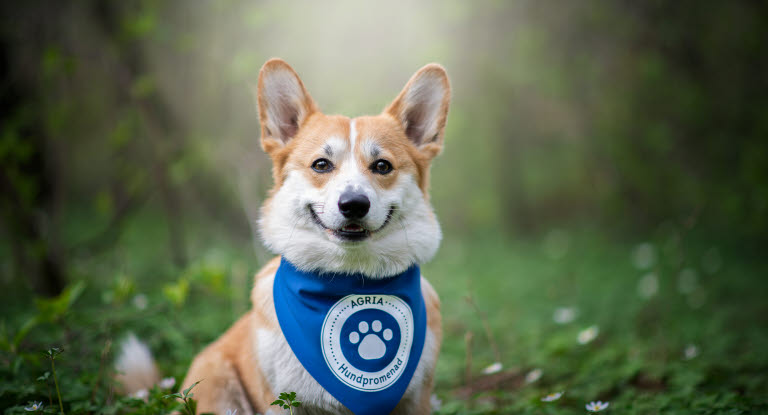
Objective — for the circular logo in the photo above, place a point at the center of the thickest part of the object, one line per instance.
(367, 340)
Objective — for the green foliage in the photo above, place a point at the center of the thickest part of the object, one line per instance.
(52, 353)
(53, 310)
(641, 360)
(78, 378)
(177, 292)
(287, 400)
(190, 406)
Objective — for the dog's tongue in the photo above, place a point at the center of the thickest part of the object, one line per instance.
(352, 228)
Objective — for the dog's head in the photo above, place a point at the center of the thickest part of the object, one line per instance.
(350, 195)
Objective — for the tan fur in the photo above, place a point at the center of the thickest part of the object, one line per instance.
(300, 152)
(229, 369)
(388, 136)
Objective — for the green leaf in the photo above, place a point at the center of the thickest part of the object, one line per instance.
(143, 86)
(25, 328)
(276, 402)
(186, 391)
(53, 309)
(173, 395)
(177, 293)
(140, 24)
(53, 352)
(297, 404)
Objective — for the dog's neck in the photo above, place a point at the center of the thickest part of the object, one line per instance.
(352, 261)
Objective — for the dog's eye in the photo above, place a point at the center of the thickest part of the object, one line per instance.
(322, 165)
(381, 167)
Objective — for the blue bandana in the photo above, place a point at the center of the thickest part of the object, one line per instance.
(360, 338)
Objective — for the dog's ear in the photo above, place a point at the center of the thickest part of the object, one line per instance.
(422, 108)
(284, 104)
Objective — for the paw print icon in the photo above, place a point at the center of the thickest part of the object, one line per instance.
(372, 346)
(370, 339)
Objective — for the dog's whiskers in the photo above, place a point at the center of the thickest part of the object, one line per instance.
(293, 229)
(318, 207)
(295, 224)
(402, 223)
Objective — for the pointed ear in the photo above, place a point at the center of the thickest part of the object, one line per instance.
(284, 104)
(422, 108)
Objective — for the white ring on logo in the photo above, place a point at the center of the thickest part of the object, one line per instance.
(331, 341)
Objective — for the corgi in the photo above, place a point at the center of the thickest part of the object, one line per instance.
(349, 201)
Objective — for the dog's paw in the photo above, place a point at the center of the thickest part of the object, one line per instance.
(372, 345)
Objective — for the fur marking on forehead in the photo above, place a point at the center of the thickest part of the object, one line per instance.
(352, 135)
(335, 146)
(370, 147)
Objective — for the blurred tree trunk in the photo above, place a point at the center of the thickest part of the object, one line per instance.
(26, 181)
(163, 128)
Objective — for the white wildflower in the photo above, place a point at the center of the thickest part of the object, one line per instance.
(140, 301)
(596, 406)
(552, 397)
(644, 256)
(648, 286)
(167, 383)
(142, 394)
(588, 334)
(533, 375)
(564, 315)
(690, 352)
(495, 367)
(34, 406)
(435, 403)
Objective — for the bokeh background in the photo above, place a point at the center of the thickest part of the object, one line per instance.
(606, 158)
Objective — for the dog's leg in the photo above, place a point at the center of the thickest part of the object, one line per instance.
(220, 388)
(225, 369)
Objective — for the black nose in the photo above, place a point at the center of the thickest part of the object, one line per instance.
(354, 205)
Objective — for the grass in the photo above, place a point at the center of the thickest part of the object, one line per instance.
(716, 311)
(637, 361)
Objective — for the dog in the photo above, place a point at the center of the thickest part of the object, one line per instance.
(349, 207)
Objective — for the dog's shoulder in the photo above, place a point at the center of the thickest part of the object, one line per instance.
(432, 303)
(261, 296)
(429, 293)
(268, 271)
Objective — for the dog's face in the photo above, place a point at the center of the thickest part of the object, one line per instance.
(350, 195)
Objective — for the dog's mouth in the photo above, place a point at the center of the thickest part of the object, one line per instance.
(351, 231)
